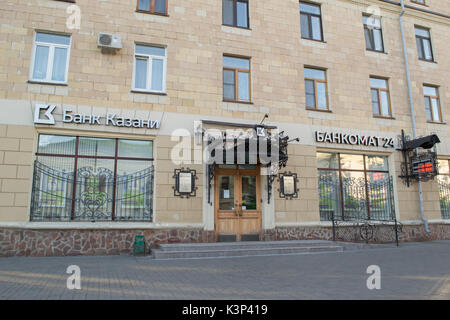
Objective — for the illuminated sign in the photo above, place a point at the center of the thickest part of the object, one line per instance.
(423, 166)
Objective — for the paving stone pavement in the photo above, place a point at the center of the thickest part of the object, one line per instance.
(412, 271)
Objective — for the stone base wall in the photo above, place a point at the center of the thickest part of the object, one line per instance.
(19, 242)
(382, 234)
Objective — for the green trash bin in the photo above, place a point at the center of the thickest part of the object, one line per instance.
(139, 245)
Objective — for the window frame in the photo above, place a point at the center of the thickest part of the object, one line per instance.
(236, 79)
(235, 14)
(365, 170)
(372, 38)
(76, 156)
(150, 58)
(50, 58)
(315, 81)
(152, 8)
(380, 114)
(422, 48)
(310, 21)
(431, 105)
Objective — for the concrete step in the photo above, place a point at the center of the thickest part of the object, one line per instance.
(241, 245)
(241, 250)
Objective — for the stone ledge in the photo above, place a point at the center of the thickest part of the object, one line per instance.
(96, 225)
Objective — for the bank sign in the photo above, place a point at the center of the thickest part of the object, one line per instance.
(354, 139)
(43, 114)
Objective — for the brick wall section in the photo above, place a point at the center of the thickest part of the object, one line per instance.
(16, 147)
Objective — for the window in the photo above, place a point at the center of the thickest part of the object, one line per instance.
(149, 69)
(316, 89)
(432, 104)
(444, 187)
(373, 33)
(152, 6)
(311, 21)
(235, 13)
(381, 105)
(423, 41)
(354, 186)
(236, 79)
(92, 179)
(50, 61)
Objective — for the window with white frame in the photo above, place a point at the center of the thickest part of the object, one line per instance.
(149, 69)
(50, 61)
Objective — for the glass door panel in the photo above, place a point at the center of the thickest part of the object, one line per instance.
(226, 192)
(248, 193)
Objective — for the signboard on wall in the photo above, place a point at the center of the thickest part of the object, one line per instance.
(354, 139)
(43, 114)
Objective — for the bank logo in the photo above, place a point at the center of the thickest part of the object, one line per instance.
(43, 114)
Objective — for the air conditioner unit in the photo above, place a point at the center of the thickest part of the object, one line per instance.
(109, 41)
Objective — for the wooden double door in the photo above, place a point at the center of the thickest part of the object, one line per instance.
(237, 203)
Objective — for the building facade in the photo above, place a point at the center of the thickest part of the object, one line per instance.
(107, 108)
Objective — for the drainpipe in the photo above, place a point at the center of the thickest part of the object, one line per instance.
(411, 105)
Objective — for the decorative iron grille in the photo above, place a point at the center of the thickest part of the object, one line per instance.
(360, 210)
(444, 198)
(91, 195)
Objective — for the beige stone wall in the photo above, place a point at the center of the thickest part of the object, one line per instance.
(16, 147)
(196, 42)
(167, 207)
(305, 208)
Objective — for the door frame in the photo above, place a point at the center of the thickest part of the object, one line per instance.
(238, 172)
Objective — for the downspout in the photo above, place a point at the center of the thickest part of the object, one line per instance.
(411, 105)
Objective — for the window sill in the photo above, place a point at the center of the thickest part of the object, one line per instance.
(154, 13)
(436, 122)
(425, 60)
(319, 110)
(321, 41)
(237, 101)
(150, 92)
(48, 83)
(376, 51)
(231, 26)
(384, 117)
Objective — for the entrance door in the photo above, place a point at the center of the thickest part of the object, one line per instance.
(237, 203)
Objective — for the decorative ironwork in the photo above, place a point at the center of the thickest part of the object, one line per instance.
(444, 198)
(359, 210)
(418, 165)
(185, 183)
(94, 195)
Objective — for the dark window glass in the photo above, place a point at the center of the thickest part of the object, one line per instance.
(153, 6)
(92, 179)
(311, 21)
(354, 187)
(423, 41)
(373, 33)
(235, 13)
(236, 70)
(229, 85)
(316, 89)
